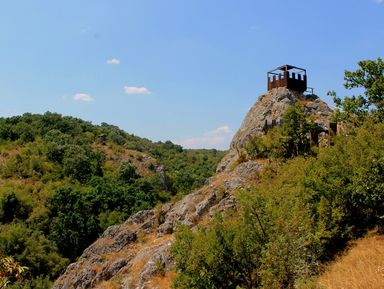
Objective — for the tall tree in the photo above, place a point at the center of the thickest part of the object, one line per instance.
(369, 78)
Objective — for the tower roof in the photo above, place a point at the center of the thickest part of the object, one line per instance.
(286, 68)
(289, 76)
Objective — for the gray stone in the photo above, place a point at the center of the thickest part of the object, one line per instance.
(109, 270)
(203, 206)
(85, 278)
(165, 228)
(224, 205)
(123, 239)
(139, 217)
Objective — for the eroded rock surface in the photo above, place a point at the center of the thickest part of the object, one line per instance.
(269, 109)
(130, 255)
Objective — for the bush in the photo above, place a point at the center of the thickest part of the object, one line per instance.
(301, 213)
(13, 208)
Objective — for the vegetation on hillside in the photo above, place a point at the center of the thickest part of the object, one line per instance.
(64, 180)
(289, 140)
(302, 212)
(10, 271)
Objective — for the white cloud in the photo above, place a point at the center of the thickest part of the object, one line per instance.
(113, 61)
(218, 138)
(82, 97)
(136, 90)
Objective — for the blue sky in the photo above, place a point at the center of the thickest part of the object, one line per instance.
(180, 70)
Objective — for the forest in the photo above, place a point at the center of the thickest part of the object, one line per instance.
(64, 181)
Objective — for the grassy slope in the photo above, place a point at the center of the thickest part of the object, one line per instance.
(362, 266)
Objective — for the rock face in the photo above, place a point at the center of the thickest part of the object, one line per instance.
(269, 109)
(136, 253)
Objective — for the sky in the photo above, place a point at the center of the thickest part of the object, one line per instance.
(181, 70)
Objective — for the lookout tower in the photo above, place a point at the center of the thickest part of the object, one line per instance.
(291, 77)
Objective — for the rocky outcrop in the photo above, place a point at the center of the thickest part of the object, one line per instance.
(136, 253)
(270, 107)
(267, 111)
(130, 255)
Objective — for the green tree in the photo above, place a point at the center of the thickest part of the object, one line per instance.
(127, 173)
(12, 207)
(227, 255)
(74, 225)
(369, 78)
(295, 131)
(77, 163)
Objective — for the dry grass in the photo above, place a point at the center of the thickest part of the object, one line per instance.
(108, 285)
(362, 267)
(163, 282)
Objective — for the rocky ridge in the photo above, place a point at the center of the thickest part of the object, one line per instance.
(136, 254)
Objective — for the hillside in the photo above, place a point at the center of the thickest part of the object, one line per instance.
(137, 254)
(64, 181)
(299, 183)
(278, 207)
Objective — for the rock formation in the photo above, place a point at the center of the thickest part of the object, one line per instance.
(136, 254)
(269, 109)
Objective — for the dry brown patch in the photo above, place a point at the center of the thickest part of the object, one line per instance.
(204, 221)
(97, 268)
(108, 285)
(303, 101)
(163, 282)
(362, 267)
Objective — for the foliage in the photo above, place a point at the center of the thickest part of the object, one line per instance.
(12, 207)
(301, 213)
(72, 222)
(65, 180)
(369, 78)
(266, 146)
(127, 173)
(294, 132)
(31, 248)
(289, 140)
(10, 271)
(223, 256)
(38, 282)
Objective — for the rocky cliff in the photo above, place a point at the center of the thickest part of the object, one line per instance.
(136, 254)
(268, 110)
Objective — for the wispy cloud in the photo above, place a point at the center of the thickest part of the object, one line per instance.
(83, 97)
(379, 1)
(113, 61)
(136, 90)
(218, 138)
